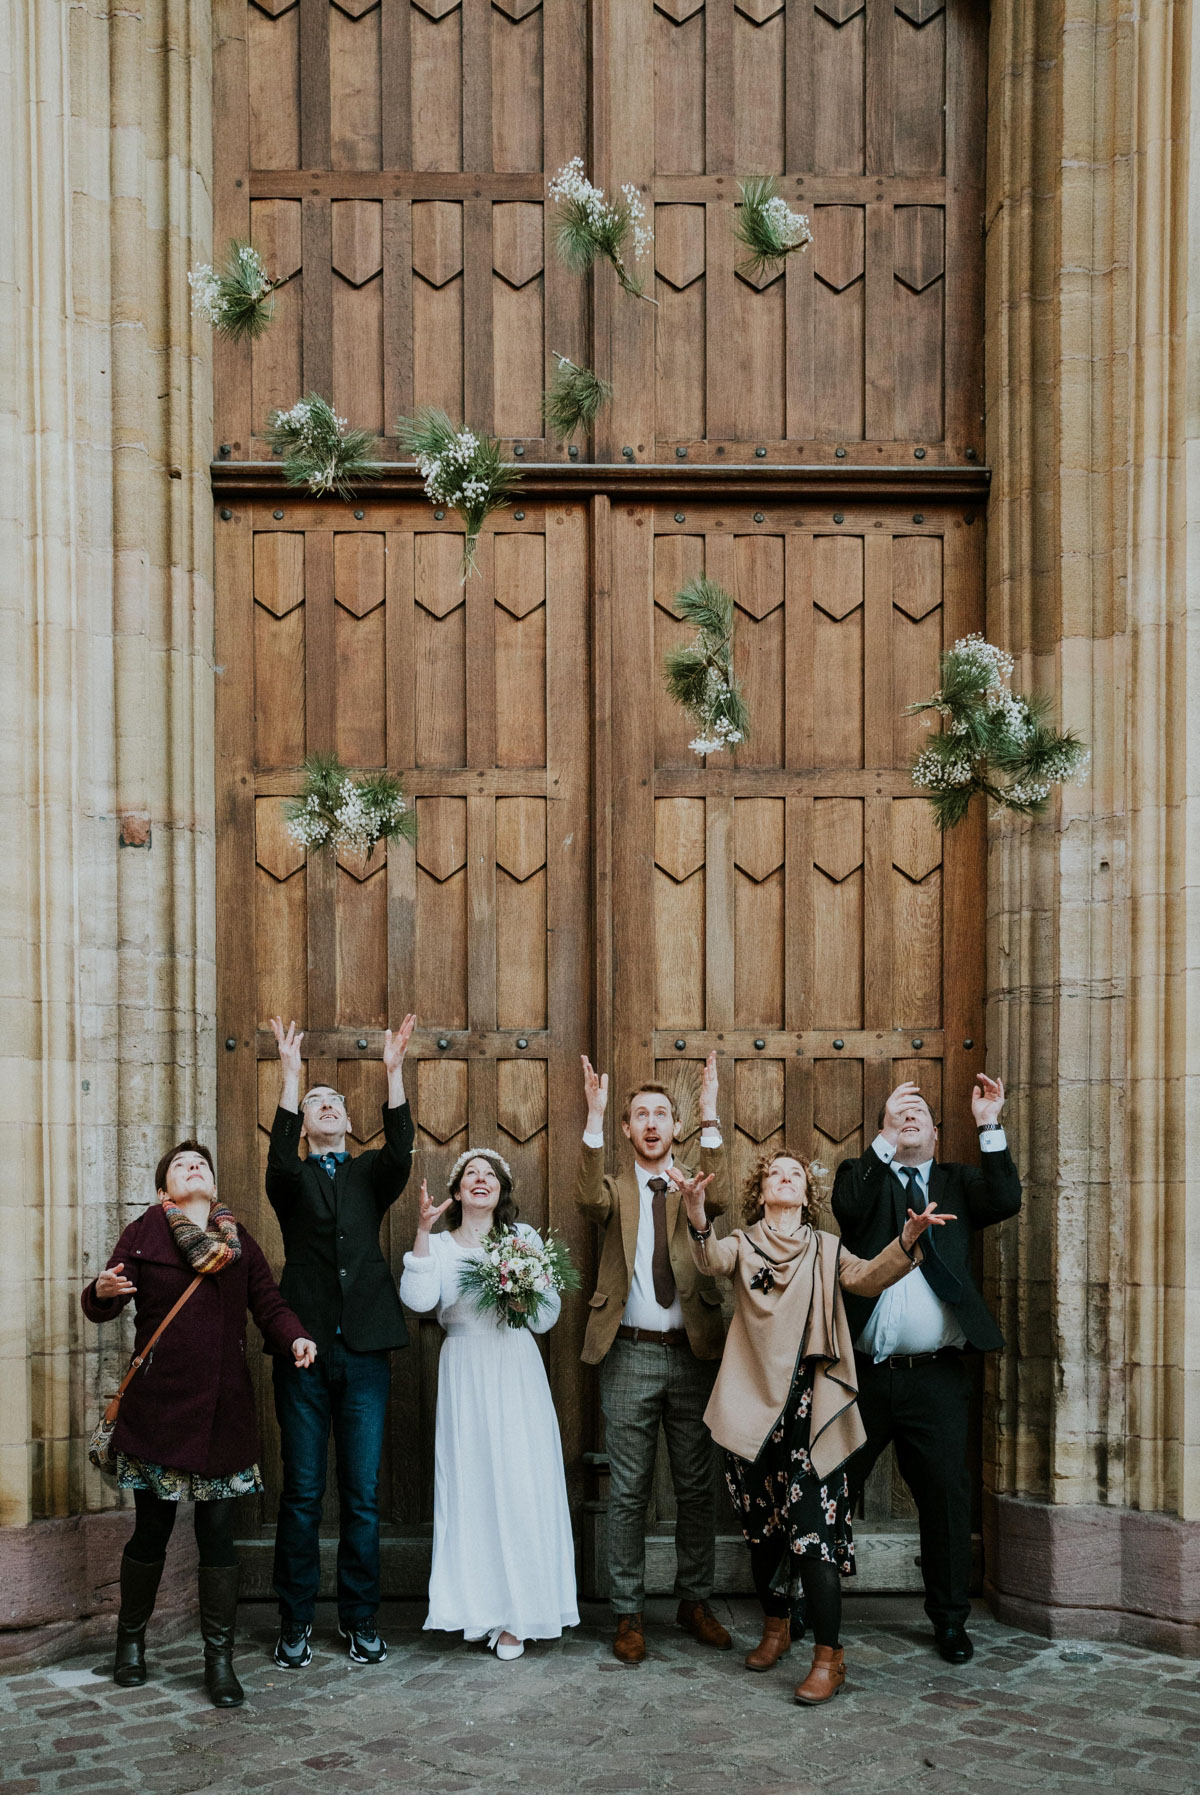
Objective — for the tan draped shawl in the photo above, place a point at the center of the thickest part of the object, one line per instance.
(800, 1315)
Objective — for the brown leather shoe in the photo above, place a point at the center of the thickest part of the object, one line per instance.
(826, 1677)
(698, 1619)
(630, 1644)
(775, 1641)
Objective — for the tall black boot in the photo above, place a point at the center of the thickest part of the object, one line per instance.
(139, 1588)
(218, 1612)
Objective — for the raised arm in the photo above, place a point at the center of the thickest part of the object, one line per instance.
(713, 1158)
(993, 1193)
(870, 1277)
(107, 1294)
(283, 1155)
(861, 1183)
(421, 1280)
(592, 1196)
(719, 1257)
(392, 1165)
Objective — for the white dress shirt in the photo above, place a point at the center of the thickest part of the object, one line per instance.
(643, 1309)
(908, 1317)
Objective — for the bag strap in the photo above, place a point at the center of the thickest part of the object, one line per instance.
(140, 1358)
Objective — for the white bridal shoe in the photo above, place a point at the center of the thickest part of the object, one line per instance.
(502, 1650)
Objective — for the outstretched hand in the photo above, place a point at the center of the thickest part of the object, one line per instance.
(987, 1099)
(395, 1044)
(595, 1090)
(289, 1046)
(427, 1212)
(916, 1225)
(692, 1191)
(708, 1089)
(896, 1107)
(110, 1283)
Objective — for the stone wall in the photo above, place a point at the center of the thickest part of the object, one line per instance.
(106, 908)
(1092, 929)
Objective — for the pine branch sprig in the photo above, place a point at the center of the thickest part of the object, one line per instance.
(463, 470)
(237, 297)
(591, 228)
(766, 225)
(993, 741)
(319, 451)
(573, 398)
(699, 674)
(335, 810)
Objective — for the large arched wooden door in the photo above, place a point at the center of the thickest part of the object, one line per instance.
(811, 438)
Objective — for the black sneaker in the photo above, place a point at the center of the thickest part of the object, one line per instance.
(362, 1636)
(292, 1650)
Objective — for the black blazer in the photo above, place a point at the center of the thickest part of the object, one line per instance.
(334, 1273)
(870, 1207)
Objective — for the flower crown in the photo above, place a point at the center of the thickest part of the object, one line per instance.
(478, 1153)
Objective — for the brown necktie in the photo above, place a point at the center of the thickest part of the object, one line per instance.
(664, 1278)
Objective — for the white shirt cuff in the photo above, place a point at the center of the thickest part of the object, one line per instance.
(710, 1137)
(995, 1141)
(883, 1149)
(593, 1140)
(419, 1266)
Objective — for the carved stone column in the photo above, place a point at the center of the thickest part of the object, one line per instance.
(1092, 312)
(106, 923)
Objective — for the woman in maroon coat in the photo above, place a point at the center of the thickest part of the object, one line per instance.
(186, 1426)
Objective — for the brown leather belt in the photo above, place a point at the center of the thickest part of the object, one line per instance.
(647, 1336)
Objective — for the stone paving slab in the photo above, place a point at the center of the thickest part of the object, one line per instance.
(440, 1717)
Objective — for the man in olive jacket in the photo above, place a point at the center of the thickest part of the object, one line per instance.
(656, 1332)
(330, 1207)
(911, 1343)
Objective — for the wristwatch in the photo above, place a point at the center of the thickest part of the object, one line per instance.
(698, 1233)
(991, 1128)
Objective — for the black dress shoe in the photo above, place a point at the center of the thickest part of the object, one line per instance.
(954, 1644)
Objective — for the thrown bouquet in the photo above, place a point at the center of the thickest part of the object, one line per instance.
(573, 398)
(319, 451)
(515, 1275)
(335, 810)
(699, 674)
(992, 739)
(767, 226)
(235, 298)
(592, 228)
(464, 471)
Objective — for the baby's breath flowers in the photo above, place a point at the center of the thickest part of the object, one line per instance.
(335, 810)
(236, 298)
(992, 739)
(462, 470)
(767, 226)
(573, 398)
(319, 451)
(591, 227)
(699, 674)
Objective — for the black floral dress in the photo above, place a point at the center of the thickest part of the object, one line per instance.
(780, 1491)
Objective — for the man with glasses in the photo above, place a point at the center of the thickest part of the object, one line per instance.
(330, 1207)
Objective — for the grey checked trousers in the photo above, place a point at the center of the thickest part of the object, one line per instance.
(641, 1385)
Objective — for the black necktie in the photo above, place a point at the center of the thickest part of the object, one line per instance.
(940, 1279)
(660, 1264)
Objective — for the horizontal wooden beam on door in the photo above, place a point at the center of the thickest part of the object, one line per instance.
(437, 782)
(461, 1043)
(809, 1043)
(923, 483)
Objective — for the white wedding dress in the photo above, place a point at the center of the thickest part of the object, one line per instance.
(503, 1555)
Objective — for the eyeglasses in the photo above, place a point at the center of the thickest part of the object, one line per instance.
(322, 1097)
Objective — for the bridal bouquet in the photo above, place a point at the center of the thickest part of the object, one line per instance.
(767, 226)
(515, 1276)
(235, 298)
(462, 470)
(992, 739)
(319, 451)
(592, 228)
(336, 811)
(699, 674)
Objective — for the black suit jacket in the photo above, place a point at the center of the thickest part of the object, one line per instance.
(334, 1273)
(870, 1207)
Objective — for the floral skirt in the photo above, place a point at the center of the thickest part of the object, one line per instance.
(780, 1497)
(170, 1485)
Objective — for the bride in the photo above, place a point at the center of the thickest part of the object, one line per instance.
(503, 1555)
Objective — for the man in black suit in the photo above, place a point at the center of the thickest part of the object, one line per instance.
(910, 1344)
(330, 1207)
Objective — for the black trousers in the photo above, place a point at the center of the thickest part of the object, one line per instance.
(923, 1411)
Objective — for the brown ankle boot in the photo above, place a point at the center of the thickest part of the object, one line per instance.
(698, 1619)
(826, 1677)
(776, 1640)
(630, 1644)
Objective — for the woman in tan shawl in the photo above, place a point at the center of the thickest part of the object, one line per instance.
(785, 1403)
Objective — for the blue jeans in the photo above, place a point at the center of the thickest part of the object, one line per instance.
(347, 1391)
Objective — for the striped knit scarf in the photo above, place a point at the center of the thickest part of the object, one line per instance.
(204, 1251)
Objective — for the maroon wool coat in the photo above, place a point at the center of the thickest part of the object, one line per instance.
(191, 1405)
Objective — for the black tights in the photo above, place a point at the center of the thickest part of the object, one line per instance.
(156, 1519)
(820, 1581)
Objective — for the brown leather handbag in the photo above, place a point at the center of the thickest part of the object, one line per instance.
(100, 1447)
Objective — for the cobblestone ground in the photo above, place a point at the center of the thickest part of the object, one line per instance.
(1026, 1714)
